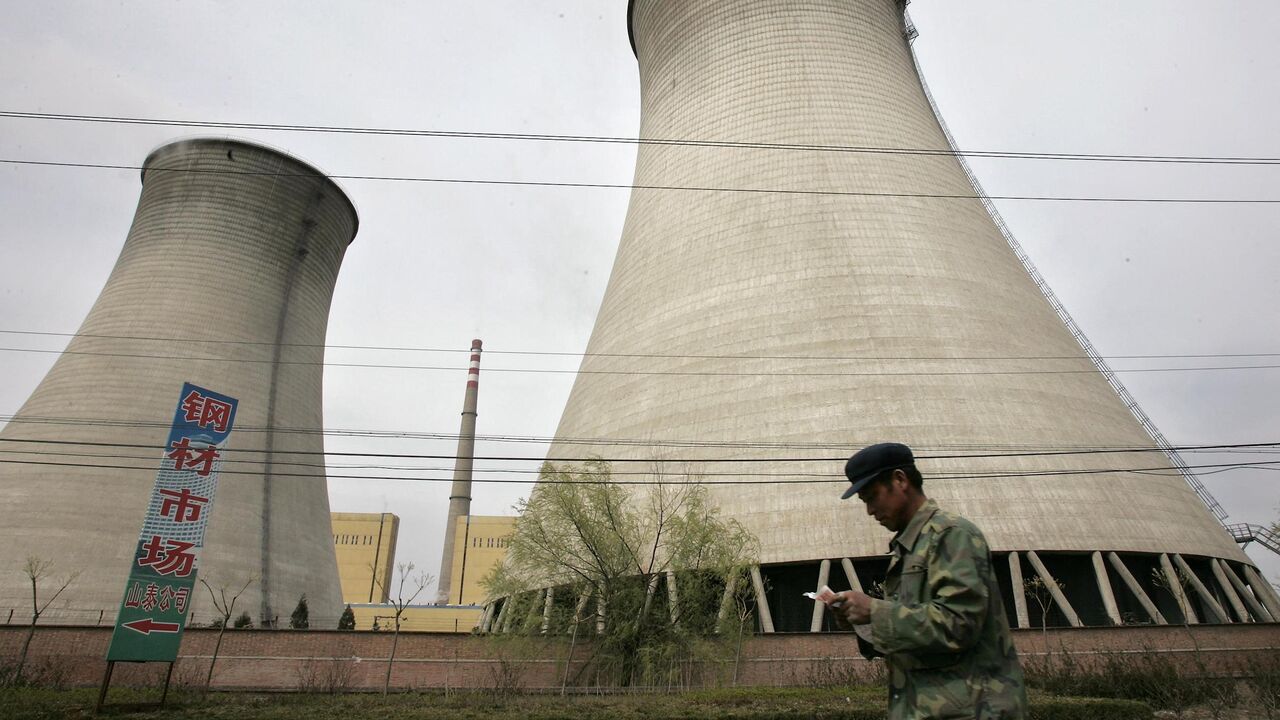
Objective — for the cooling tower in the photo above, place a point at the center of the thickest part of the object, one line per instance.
(771, 305)
(225, 280)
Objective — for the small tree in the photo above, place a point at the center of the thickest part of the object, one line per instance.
(243, 620)
(298, 620)
(399, 601)
(348, 619)
(37, 569)
(1042, 594)
(224, 606)
(584, 535)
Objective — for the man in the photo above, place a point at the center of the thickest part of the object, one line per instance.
(941, 626)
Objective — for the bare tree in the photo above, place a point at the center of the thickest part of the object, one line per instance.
(225, 607)
(37, 569)
(1042, 594)
(399, 601)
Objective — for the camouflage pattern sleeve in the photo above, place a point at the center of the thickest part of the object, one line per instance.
(942, 600)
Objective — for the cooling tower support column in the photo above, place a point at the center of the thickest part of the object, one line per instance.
(1143, 599)
(460, 494)
(1104, 589)
(819, 607)
(1260, 613)
(1263, 590)
(1055, 590)
(1019, 591)
(1221, 576)
(1206, 597)
(762, 600)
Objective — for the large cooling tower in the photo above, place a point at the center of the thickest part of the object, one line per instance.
(225, 281)
(774, 305)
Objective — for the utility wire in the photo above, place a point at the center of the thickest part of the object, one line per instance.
(923, 452)
(615, 140)
(1091, 370)
(503, 471)
(835, 477)
(487, 351)
(682, 188)
(956, 450)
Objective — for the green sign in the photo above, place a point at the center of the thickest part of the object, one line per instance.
(162, 576)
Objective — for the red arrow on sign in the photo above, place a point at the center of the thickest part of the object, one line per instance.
(146, 626)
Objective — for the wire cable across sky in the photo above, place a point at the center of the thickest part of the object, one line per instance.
(679, 142)
(681, 188)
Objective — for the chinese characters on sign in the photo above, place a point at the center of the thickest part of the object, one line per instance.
(163, 574)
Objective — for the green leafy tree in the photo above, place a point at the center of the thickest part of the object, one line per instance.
(589, 538)
(298, 620)
(348, 619)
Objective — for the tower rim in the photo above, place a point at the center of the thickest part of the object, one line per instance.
(182, 144)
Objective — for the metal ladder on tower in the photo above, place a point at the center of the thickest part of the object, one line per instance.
(1161, 442)
(1245, 533)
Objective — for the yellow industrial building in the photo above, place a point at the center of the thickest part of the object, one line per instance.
(365, 544)
(364, 541)
(480, 543)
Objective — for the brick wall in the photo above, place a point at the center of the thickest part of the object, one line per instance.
(317, 659)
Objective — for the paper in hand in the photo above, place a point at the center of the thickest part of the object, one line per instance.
(824, 594)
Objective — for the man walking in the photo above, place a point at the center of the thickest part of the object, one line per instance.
(941, 626)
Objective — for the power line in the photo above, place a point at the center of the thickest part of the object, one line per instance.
(834, 478)
(1091, 370)
(923, 452)
(616, 140)
(698, 356)
(681, 188)
(523, 471)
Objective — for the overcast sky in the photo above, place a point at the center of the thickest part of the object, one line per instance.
(524, 269)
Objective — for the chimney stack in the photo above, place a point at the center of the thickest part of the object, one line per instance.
(460, 495)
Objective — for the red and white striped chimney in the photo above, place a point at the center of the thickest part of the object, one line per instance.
(460, 495)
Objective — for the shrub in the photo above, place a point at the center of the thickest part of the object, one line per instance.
(298, 620)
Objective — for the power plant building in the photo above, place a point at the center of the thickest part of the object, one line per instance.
(806, 268)
(479, 544)
(365, 546)
(225, 280)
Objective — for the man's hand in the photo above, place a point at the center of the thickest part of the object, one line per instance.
(854, 607)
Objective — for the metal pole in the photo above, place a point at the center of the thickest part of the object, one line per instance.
(165, 693)
(106, 680)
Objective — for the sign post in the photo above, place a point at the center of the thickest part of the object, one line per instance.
(162, 575)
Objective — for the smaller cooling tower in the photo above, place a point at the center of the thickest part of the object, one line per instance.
(224, 281)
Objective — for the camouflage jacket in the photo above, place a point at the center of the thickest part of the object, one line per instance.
(942, 626)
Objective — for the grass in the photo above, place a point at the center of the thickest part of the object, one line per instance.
(852, 703)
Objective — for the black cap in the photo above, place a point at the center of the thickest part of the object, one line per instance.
(870, 461)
